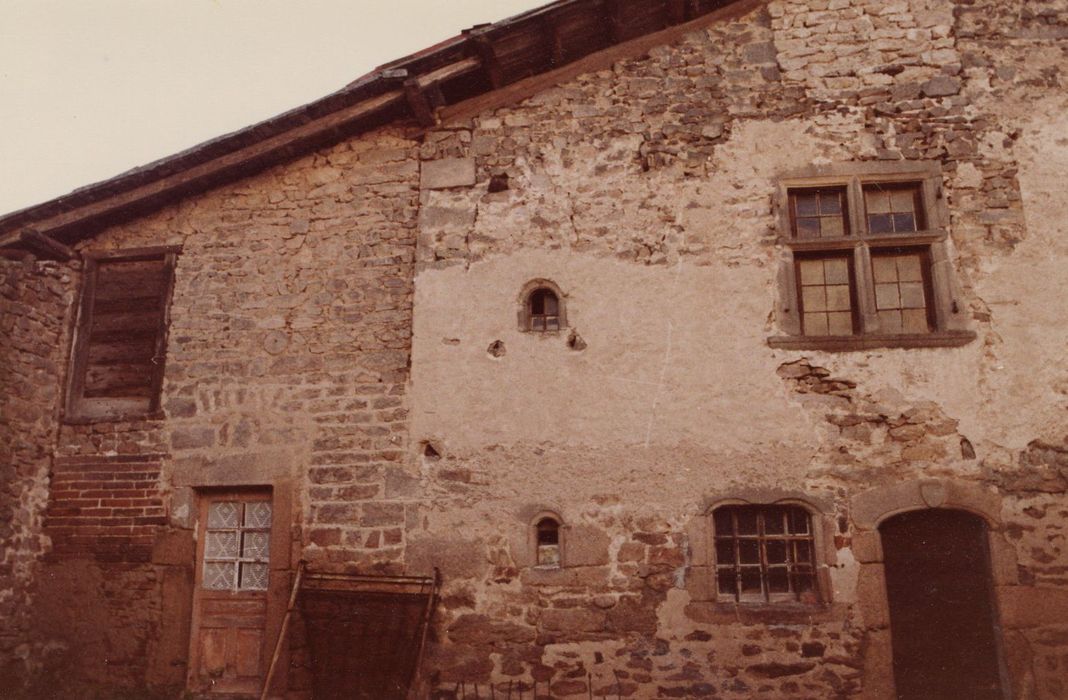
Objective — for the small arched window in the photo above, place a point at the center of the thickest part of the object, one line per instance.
(547, 534)
(544, 311)
(541, 307)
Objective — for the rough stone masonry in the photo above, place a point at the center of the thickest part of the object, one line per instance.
(343, 329)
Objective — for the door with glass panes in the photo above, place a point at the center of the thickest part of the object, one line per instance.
(230, 599)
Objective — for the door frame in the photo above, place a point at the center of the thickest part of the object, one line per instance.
(868, 510)
(279, 579)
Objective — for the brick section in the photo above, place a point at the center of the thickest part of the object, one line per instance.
(105, 508)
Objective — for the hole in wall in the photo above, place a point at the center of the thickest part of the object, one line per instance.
(966, 449)
(498, 182)
(496, 349)
(575, 342)
(431, 453)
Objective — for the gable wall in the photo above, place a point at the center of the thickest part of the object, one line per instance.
(303, 295)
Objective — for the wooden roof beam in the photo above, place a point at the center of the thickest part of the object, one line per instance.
(38, 242)
(613, 13)
(679, 11)
(555, 43)
(487, 54)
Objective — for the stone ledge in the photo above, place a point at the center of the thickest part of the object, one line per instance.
(944, 339)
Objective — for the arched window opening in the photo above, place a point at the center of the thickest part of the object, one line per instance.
(547, 531)
(544, 311)
(765, 553)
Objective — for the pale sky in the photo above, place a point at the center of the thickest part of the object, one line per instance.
(92, 88)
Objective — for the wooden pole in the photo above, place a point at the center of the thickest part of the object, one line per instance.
(282, 632)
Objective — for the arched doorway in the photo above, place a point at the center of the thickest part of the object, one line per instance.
(942, 615)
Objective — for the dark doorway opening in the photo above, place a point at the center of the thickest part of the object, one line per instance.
(942, 616)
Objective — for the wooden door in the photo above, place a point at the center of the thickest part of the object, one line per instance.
(230, 602)
(942, 614)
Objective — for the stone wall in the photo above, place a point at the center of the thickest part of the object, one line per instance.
(645, 191)
(344, 330)
(35, 299)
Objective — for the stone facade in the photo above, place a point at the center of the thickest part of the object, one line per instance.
(344, 330)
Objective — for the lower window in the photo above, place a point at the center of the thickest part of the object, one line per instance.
(764, 554)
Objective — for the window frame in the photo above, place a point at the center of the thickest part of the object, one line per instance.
(78, 409)
(766, 596)
(948, 325)
(525, 314)
(533, 543)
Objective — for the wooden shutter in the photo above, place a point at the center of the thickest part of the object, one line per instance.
(120, 343)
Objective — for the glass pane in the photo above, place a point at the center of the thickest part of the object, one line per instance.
(890, 321)
(803, 582)
(537, 303)
(806, 204)
(221, 545)
(774, 521)
(836, 271)
(832, 227)
(747, 521)
(256, 545)
(223, 514)
(909, 268)
(537, 323)
(912, 296)
(811, 272)
(219, 575)
(887, 297)
(831, 203)
(808, 228)
(884, 268)
(724, 552)
(904, 222)
(814, 298)
(253, 576)
(778, 582)
(877, 202)
(840, 323)
(816, 324)
(776, 551)
(749, 551)
(751, 581)
(903, 200)
(258, 514)
(552, 323)
(914, 321)
(838, 298)
(881, 223)
(548, 555)
(550, 304)
(803, 552)
(722, 521)
(798, 521)
(727, 582)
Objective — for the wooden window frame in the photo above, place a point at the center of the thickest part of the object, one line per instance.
(78, 408)
(766, 596)
(948, 325)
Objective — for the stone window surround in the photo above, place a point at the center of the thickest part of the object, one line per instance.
(523, 314)
(869, 509)
(532, 539)
(79, 410)
(950, 324)
(701, 580)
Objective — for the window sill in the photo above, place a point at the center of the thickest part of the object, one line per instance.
(88, 414)
(850, 343)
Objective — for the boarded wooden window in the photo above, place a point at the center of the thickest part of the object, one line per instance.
(765, 554)
(120, 341)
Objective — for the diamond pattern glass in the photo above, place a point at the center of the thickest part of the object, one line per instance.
(220, 575)
(223, 514)
(253, 576)
(237, 546)
(256, 545)
(221, 545)
(258, 514)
